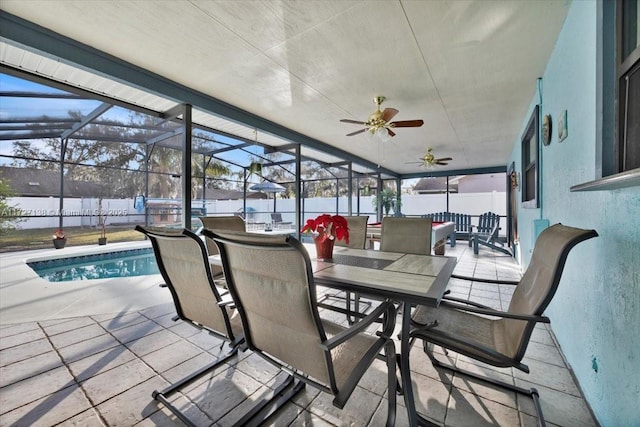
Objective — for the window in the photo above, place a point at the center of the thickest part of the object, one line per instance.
(628, 81)
(530, 150)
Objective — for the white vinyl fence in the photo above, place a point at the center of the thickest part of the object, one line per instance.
(41, 212)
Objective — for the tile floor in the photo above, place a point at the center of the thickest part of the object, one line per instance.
(100, 370)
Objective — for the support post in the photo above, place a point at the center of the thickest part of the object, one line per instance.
(186, 166)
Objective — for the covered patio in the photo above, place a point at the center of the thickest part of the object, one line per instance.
(64, 362)
(287, 85)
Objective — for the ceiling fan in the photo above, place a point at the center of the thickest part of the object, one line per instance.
(429, 160)
(380, 124)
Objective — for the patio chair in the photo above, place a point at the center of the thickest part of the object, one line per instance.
(271, 281)
(463, 227)
(277, 223)
(501, 340)
(408, 235)
(357, 240)
(228, 222)
(487, 234)
(184, 266)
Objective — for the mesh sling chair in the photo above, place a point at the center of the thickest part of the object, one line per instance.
(229, 222)
(271, 281)
(184, 266)
(407, 235)
(357, 240)
(501, 340)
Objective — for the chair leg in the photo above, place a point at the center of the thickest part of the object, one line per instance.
(162, 395)
(270, 405)
(352, 314)
(392, 379)
(532, 392)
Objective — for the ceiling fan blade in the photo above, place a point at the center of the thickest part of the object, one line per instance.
(391, 133)
(441, 163)
(352, 121)
(445, 159)
(408, 123)
(388, 114)
(356, 132)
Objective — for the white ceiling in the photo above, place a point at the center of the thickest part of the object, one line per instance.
(469, 69)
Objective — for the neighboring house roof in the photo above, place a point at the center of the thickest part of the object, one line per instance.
(29, 182)
(462, 184)
(434, 185)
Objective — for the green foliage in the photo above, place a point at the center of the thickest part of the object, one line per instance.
(8, 214)
(389, 200)
(112, 159)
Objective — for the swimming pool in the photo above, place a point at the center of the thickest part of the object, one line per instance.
(125, 263)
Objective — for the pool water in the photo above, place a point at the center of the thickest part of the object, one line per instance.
(133, 262)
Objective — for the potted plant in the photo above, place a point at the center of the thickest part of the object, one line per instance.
(389, 200)
(59, 239)
(327, 228)
(102, 223)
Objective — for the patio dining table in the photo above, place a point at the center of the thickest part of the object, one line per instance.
(407, 279)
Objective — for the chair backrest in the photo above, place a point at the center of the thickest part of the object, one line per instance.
(438, 216)
(489, 223)
(227, 222)
(408, 235)
(540, 281)
(271, 282)
(357, 232)
(276, 217)
(184, 266)
(463, 221)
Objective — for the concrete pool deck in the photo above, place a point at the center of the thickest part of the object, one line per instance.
(26, 297)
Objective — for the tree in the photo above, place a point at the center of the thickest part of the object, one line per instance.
(9, 215)
(113, 152)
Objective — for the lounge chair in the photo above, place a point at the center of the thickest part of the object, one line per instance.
(501, 340)
(271, 281)
(184, 266)
(277, 223)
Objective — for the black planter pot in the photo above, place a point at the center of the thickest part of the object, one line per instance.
(102, 241)
(59, 243)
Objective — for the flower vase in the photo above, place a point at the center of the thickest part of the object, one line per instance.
(59, 243)
(324, 247)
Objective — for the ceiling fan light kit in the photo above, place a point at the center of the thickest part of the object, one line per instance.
(379, 126)
(429, 160)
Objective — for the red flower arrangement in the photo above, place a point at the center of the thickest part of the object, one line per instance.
(328, 227)
(59, 234)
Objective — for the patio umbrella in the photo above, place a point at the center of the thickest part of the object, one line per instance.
(268, 187)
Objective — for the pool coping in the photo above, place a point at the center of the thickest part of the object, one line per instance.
(26, 297)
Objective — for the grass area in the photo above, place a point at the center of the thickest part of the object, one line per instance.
(21, 240)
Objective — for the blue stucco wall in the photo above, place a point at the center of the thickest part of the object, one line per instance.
(596, 312)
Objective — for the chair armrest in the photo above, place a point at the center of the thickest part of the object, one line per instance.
(387, 307)
(479, 279)
(432, 335)
(473, 307)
